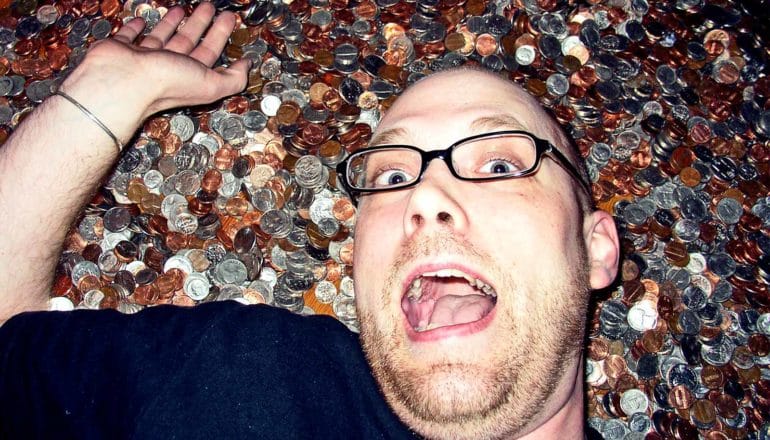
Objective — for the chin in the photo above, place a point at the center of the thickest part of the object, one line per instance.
(450, 392)
(443, 399)
(498, 366)
(501, 382)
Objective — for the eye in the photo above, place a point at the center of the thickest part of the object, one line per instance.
(499, 166)
(391, 177)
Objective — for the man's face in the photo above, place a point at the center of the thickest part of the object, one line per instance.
(464, 360)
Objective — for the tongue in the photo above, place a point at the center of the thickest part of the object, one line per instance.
(453, 309)
(456, 302)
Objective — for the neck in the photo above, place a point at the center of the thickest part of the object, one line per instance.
(567, 423)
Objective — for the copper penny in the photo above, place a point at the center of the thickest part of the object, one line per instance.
(211, 180)
(146, 294)
(680, 397)
(703, 413)
(759, 344)
(343, 210)
(652, 340)
(726, 406)
(690, 176)
(598, 349)
(614, 366)
(676, 253)
(454, 41)
(288, 113)
(712, 377)
(486, 45)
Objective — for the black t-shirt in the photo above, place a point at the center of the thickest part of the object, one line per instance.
(218, 370)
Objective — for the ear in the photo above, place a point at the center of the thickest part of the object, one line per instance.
(601, 239)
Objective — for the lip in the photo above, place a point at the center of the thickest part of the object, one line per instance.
(449, 331)
(436, 266)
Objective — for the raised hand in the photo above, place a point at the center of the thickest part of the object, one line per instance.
(169, 67)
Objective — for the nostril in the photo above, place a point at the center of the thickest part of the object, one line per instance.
(444, 217)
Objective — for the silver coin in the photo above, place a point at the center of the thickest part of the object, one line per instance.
(634, 401)
(92, 299)
(83, 269)
(108, 262)
(232, 271)
(308, 171)
(232, 128)
(182, 126)
(178, 262)
(60, 304)
(186, 223)
(196, 286)
(101, 29)
(325, 291)
(321, 209)
(276, 222)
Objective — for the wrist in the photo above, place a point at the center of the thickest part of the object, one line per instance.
(115, 89)
(87, 113)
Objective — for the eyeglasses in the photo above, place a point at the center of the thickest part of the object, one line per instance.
(508, 154)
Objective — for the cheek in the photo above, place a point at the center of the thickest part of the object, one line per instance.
(378, 234)
(376, 231)
(528, 229)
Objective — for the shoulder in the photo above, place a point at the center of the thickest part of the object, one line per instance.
(226, 324)
(225, 313)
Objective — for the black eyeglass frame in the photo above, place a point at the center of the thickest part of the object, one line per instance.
(542, 147)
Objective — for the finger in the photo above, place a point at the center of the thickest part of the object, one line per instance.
(187, 36)
(238, 76)
(207, 52)
(151, 42)
(162, 31)
(129, 31)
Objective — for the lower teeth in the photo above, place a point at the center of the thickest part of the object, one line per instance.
(427, 327)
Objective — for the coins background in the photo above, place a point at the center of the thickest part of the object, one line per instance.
(668, 102)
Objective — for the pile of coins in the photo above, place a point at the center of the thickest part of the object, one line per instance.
(669, 102)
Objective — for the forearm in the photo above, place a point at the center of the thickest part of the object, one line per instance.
(57, 157)
(49, 169)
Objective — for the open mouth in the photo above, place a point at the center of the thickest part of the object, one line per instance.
(445, 298)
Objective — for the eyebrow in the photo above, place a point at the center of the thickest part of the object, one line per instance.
(497, 121)
(388, 136)
(396, 135)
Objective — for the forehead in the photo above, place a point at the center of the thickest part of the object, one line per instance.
(454, 104)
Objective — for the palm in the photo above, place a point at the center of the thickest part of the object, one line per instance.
(179, 60)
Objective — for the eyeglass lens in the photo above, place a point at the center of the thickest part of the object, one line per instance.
(494, 156)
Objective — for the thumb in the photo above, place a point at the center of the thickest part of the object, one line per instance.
(234, 78)
(214, 85)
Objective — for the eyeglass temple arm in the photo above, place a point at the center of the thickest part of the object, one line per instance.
(571, 169)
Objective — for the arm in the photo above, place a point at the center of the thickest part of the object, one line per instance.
(57, 158)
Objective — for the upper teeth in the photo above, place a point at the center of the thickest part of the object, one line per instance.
(415, 292)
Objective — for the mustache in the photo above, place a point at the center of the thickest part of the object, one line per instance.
(439, 243)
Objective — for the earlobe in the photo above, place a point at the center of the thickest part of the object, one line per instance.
(601, 239)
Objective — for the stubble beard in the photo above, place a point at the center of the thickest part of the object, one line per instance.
(501, 395)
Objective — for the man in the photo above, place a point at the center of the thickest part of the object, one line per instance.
(473, 265)
(514, 365)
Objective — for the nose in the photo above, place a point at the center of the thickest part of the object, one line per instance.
(436, 203)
